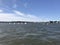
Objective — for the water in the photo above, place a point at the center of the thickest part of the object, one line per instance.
(29, 34)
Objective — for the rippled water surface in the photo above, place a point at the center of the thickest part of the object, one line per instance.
(29, 34)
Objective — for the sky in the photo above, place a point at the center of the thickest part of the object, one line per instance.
(30, 10)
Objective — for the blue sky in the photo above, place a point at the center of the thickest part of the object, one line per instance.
(43, 10)
(47, 9)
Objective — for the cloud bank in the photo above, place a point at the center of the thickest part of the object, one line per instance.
(18, 16)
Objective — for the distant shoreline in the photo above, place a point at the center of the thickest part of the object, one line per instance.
(16, 22)
(28, 22)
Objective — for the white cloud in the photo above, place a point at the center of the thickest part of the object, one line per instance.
(28, 17)
(21, 17)
(1, 10)
(19, 13)
(31, 16)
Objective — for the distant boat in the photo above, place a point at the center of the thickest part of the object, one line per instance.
(9, 23)
(14, 23)
(25, 23)
(18, 23)
(21, 23)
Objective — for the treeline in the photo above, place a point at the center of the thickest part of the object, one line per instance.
(15, 22)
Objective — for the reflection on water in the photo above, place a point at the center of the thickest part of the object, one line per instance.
(29, 34)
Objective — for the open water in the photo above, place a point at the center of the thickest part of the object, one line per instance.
(29, 34)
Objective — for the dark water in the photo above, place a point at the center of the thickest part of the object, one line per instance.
(29, 34)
